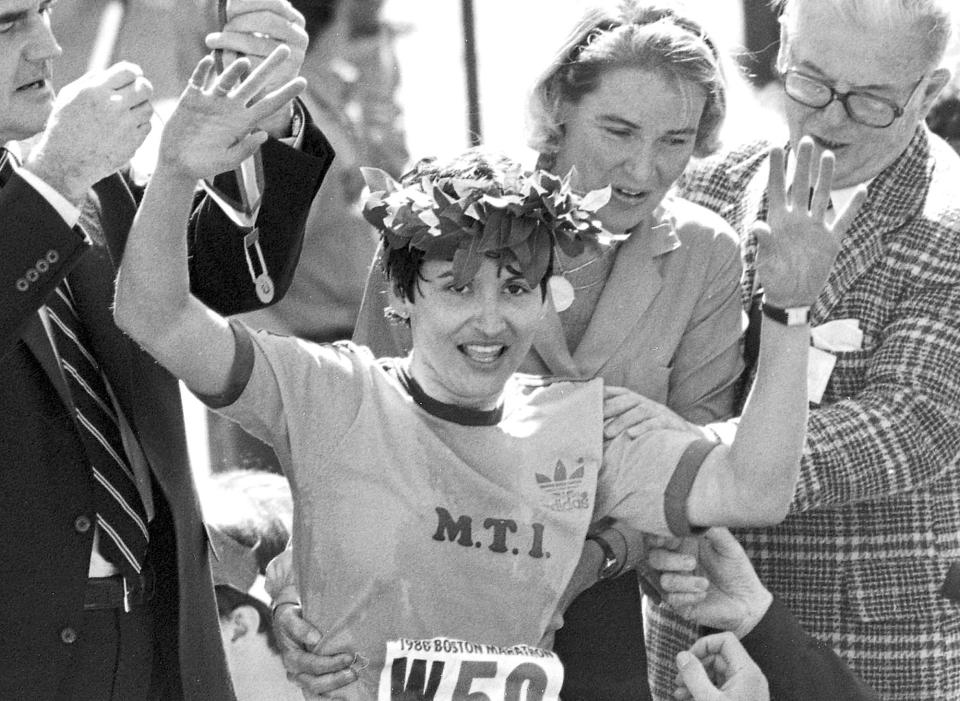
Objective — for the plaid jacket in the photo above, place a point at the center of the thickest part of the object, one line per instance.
(875, 521)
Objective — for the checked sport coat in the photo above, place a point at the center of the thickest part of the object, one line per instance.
(875, 520)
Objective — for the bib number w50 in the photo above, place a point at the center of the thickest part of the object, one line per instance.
(443, 669)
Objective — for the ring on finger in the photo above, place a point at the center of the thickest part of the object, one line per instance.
(222, 90)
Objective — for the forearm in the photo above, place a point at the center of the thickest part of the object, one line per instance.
(153, 285)
(752, 481)
(797, 665)
(153, 301)
(771, 430)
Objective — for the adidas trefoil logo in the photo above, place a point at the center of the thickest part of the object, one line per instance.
(563, 492)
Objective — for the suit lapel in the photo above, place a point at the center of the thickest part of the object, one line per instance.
(634, 282)
(861, 248)
(105, 218)
(34, 335)
(892, 198)
(92, 281)
(551, 345)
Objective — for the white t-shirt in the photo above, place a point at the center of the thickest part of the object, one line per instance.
(456, 523)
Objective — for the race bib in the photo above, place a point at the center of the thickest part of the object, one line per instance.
(442, 669)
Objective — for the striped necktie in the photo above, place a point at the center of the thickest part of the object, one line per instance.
(6, 166)
(120, 512)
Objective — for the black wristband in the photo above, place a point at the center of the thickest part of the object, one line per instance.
(789, 316)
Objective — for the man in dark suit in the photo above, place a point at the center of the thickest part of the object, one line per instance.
(105, 588)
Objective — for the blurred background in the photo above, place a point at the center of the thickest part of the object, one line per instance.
(390, 81)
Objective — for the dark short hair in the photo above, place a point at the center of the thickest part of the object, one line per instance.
(944, 116)
(402, 266)
(230, 599)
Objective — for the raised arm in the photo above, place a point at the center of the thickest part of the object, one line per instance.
(214, 127)
(752, 481)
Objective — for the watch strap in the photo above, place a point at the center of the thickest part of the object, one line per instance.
(611, 565)
(788, 316)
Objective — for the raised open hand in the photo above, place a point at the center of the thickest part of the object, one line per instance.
(216, 124)
(801, 239)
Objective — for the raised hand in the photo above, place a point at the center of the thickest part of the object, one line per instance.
(217, 122)
(97, 123)
(718, 668)
(798, 245)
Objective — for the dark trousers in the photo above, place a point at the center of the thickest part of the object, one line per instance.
(114, 658)
(601, 644)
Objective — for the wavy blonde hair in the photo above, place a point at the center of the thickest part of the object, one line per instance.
(650, 36)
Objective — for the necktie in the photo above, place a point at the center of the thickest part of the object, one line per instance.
(120, 512)
(6, 166)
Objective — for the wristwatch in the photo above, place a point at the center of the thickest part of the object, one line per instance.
(789, 316)
(610, 566)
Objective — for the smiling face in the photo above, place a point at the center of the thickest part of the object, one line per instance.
(27, 47)
(468, 341)
(888, 63)
(635, 132)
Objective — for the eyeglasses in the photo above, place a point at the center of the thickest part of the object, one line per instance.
(862, 107)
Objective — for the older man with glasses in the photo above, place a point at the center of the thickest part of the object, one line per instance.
(866, 558)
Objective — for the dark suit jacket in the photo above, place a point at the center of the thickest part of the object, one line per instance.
(45, 486)
(798, 666)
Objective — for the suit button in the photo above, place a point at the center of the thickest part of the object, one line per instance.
(82, 524)
(68, 636)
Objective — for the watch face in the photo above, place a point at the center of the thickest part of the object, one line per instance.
(610, 565)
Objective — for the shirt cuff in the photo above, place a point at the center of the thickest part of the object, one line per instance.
(65, 208)
(240, 371)
(295, 140)
(678, 489)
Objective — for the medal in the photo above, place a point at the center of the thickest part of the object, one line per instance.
(561, 292)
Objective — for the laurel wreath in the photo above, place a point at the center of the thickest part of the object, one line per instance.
(518, 218)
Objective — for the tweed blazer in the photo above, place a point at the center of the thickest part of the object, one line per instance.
(875, 520)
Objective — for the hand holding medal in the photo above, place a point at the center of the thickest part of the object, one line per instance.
(253, 30)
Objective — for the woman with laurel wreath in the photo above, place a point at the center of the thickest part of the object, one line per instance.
(629, 98)
(441, 500)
